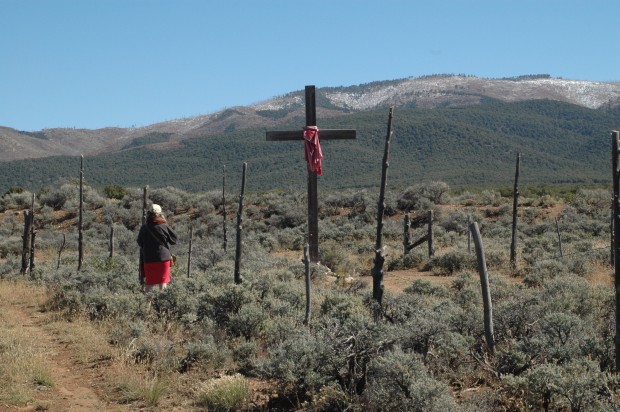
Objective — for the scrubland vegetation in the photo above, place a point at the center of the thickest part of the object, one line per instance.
(210, 344)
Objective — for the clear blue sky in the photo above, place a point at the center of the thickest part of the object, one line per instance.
(99, 63)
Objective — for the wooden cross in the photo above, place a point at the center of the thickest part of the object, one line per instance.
(324, 134)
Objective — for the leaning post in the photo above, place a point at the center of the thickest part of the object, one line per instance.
(484, 284)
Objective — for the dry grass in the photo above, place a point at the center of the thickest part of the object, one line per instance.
(23, 366)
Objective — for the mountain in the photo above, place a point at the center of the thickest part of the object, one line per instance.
(463, 130)
(423, 92)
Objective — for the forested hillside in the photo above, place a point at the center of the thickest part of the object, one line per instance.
(466, 146)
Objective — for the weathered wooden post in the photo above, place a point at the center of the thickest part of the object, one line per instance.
(141, 276)
(145, 198)
(326, 134)
(515, 204)
(62, 246)
(111, 240)
(189, 251)
(468, 234)
(26, 241)
(307, 268)
(431, 249)
(406, 236)
(611, 227)
(238, 278)
(377, 270)
(80, 219)
(615, 145)
(486, 292)
(224, 208)
(32, 238)
(557, 228)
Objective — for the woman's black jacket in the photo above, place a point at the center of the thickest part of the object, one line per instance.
(155, 241)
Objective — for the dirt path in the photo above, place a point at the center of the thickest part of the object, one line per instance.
(64, 383)
(397, 280)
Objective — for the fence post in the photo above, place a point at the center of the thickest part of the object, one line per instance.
(377, 270)
(468, 234)
(406, 236)
(189, 251)
(26, 242)
(615, 145)
(515, 205)
(80, 219)
(557, 228)
(111, 240)
(62, 246)
(141, 276)
(32, 236)
(224, 207)
(486, 292)
(238, 278)
(431, 249)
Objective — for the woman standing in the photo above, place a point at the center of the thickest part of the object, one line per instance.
(155, 238)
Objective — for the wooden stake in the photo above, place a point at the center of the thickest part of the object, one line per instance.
(377, 270)
(238, 278)
(486, 292)
(189, 251)
(615, 153)
(62, 246)
(80, 219)
(224, 207)
(515, 203)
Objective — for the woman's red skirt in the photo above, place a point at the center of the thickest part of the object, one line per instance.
(157, 272)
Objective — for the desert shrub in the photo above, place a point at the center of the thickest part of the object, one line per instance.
(591, 202)
(498, 211)
(244, 353)
(576, 386)
(248, 321)
(124, 331)
(422, 196)
(114, 191)
(175, 302)
(203, 354)
(222, 303)
(16, 201)
(332, 255)
(411, 260)
(58, 197)
(452, 262)
(300, 364)
(455, 222)
(171, 199)
(10, 245)
(399, 381)
(425, 287)
(544, 270)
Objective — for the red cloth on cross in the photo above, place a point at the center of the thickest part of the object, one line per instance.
(312, 149)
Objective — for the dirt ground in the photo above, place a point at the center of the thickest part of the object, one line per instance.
(75, 385)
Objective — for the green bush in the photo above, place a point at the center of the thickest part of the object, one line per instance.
(399, 382)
